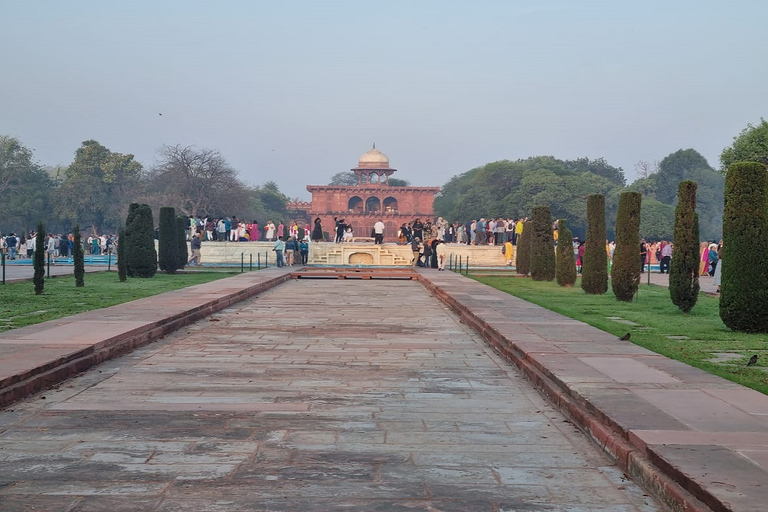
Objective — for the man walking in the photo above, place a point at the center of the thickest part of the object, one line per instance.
(195, 245)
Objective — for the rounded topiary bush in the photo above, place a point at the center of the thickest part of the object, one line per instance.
(168, 241)
(566, 265)
(523, 260)
(684, 267)
(744, 286)
(625, 272)
(542, 245)
(594, 263)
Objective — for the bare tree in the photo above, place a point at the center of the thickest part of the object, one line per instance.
(645, 169)
(195, 181)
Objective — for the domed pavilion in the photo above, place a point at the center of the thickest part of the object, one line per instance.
(373, 198)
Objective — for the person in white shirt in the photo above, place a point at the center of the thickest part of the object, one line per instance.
(378, 232)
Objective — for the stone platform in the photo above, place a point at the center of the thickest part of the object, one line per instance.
(355, 253)
(357, 395)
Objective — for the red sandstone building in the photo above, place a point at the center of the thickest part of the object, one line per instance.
(373, 198)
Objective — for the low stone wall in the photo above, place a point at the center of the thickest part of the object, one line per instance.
(326, 253)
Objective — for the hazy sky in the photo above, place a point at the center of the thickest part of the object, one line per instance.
(295, 91)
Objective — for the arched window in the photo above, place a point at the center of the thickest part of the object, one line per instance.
(390, 204)
(373, 205)
(355, 204)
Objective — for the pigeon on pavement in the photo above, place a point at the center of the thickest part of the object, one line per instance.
(626, 337)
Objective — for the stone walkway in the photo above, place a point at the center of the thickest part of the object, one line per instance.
(312, 396)
(311, 369)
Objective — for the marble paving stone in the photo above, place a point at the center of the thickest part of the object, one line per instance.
(315, 395)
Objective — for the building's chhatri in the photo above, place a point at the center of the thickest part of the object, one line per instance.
(373, 198)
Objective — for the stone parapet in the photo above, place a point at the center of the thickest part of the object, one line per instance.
(326, 253)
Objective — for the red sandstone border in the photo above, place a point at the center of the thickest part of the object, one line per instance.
(21, 385)
(651, 471)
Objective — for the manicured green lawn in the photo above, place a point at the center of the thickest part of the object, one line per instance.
(704, 332)
(19, 306)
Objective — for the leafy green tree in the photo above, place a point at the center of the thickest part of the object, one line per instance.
(625, 272)
(344, 178)
(684, 164)
(751, 145)
(397, 182)
(594, 263)
(141, 256)
(523, 261)
(542, 245)
(97, 186)
(657, 220)
(39, 259)
(25, 188)
(181, 240)
(744, 288)
(78, 257)
(684, 267)
(122, 266)
(566, 266)
(599, 167)
(269, 203)
(513, 188)
(168, 241)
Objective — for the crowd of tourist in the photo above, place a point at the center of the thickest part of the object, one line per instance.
(424, 237)
(55, 245)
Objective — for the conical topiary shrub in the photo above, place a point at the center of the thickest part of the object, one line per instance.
(78, 256)
(122, 268)
(181, 240)
(39, 259)
(566, 264)
(684, 267)
(625, 273)
(141, 256)
(168, 241)
(542, 245)
(744, 286)
(594, 263)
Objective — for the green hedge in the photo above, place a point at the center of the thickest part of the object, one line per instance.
(168, 241)
(625, 272)
(542, 245)
(39, 259)
(684, 268)
(181, 240)
(566, 265)
(744, 287)
(523, 260)
(594, 263)
(141, 256)
(78, 256)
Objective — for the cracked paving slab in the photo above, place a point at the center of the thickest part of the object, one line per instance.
(315, 395)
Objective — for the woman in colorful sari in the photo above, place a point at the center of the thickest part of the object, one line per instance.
(704, 258)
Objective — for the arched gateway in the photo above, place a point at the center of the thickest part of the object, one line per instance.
(373, 198)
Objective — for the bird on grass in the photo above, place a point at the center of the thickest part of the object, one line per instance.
(626, 337)
(752, 360)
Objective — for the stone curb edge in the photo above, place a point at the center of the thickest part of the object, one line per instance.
(668, 485)
(22, 385)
